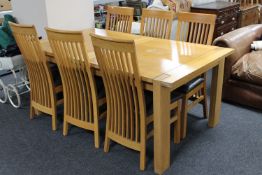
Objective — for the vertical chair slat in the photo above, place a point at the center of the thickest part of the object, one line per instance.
(156, 23)
(119, 19)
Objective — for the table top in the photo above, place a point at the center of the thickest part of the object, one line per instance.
(167, 60)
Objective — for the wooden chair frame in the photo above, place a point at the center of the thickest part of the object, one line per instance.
(195, 28)
(43, 91)
(156, 23)
(127, 117)
(82, 104)
(119, 19)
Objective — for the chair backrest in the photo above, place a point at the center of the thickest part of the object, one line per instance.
(119, 19)
(40, 77)
(124, 93)
(195, 27)
(70, 51)
(156, 23)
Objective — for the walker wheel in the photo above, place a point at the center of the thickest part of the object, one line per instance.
(13, 96)
(3, 92)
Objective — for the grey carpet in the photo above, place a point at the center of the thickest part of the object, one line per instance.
(31, 148)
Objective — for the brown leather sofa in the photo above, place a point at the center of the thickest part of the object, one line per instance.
(236, 90)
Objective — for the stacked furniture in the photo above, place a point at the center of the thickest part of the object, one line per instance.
(236, 88)
(227, 15)
(249, 12)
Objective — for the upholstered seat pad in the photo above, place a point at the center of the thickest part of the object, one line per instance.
(190, 85)
(149, 100)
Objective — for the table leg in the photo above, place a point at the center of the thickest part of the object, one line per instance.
(216, 94)
(161, 128)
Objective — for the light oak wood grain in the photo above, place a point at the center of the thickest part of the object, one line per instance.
(81, 101)
(176, 63)
(43, 90)
(119, 19)
(156, 23)
(195, 28)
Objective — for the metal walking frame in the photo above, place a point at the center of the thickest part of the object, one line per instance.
(20, 85)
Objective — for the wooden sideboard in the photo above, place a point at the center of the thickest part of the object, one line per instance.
(250, 12)
(227, 15)
(249, 15)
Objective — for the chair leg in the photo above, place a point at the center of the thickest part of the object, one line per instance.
(96, 137)
(204, 102)
(32, 112)
(107, 144)
(184, 117)
(107, 139)
(65, 128)
(143, 158)
(177, 125)
(54, 121)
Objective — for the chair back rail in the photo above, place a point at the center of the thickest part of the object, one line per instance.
(195, 28)
(119, 19)
(156, 23)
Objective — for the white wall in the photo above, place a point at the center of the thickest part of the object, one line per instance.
(31, 12)
(60, 14)
(70, 14)
(202, 1)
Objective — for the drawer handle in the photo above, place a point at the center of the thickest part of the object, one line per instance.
(222, 22)
(222, 33)
(233, 19)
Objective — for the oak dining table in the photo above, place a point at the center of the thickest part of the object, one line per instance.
(164, 66)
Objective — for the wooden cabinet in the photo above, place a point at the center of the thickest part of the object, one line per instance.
(227, 15)
(249, 15)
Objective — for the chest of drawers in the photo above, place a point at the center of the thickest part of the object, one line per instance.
(227, 15)
(249, 15)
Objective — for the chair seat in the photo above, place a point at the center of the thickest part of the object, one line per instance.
(190, 85)
(149, 100)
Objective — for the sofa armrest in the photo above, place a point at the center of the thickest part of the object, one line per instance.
(240, 40)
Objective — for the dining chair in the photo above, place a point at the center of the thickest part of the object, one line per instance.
(84, 95)
(130, 112)
(194, 28)
(156, 23)
(119, 19)
(45, 84)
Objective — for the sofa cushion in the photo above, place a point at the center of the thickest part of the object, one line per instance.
(249, 68)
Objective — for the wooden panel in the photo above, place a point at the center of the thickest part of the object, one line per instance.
(227, 15)
(249, 15)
